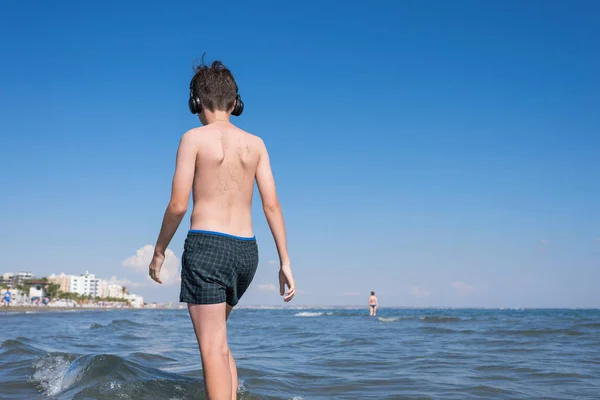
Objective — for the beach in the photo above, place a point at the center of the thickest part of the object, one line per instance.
(44, 309)
(305, 354)
(50, 309)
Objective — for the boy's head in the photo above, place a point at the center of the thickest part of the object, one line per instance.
(372, 293)
(213, 88)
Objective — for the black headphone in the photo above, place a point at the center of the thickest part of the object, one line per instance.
(195, 104)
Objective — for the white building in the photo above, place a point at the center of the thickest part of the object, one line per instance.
(114, 290)
(37, 291)
(102, 288)
(8, 276)
(135, 300)
(6, 279)
(109, 289)
(17, 279)
(85, 285)
(21, 277)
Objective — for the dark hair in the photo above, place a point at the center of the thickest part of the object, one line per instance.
(372, 293)
(214, 86)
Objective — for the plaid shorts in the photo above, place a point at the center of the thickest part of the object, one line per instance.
(216, 267)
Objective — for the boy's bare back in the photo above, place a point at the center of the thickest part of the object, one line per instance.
(226, 163)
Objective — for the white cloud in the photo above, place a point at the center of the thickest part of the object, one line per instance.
(125, 282)
(418, 291)
(462, 289)
(351, 293)
(142, 258)
(266, 287)
(544, 242)
(272, 262)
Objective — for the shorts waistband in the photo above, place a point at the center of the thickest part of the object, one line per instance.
(197, 231)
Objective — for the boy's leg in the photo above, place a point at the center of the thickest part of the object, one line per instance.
(232, 366)
(211, 331)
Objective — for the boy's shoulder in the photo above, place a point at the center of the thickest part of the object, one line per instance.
(206, 132)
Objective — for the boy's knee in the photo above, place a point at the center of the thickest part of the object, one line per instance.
(215, 350)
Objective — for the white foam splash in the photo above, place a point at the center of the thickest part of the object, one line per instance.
(114, 385)
(309, 314)
(392, 319)
(50, 371)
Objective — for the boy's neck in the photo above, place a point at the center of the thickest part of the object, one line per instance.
(216, 116)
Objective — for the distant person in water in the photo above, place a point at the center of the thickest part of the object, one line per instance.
(373, 304)
(219, 163)
(7, 299)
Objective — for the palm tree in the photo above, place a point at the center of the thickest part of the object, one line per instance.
(22, 288)
(53, 290)
(124, 291)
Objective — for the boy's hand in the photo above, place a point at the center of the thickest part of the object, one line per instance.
(155, 266)
(286, 278)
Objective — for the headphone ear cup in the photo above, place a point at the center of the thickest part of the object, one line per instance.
(238, 109)
(194, 105)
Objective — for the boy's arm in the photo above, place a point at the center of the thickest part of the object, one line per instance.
(180, 197)
(268, 194)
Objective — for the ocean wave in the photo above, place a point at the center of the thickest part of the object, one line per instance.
(50, 370)
(435, 329)
(591, 325)
(535, 332)
(59, 373)
(439, 318)
(18, 347)
(63, 376)
(125, 322)
(151, 358)
(308, 314)
(117, 323)
(393, 319)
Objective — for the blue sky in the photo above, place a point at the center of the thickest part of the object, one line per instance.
(439, 153)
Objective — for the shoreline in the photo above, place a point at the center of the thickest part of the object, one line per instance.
(43, 309)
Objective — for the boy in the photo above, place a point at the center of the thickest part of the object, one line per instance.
(220, 163)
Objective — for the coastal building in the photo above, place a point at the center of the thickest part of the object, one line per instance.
(114, 290)
(109, 289)
(135, 300)
(6, 279)
(37, 289)
(64, 281)
(21, 277)
(12, 280)
(85, 285)
(102, 288)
